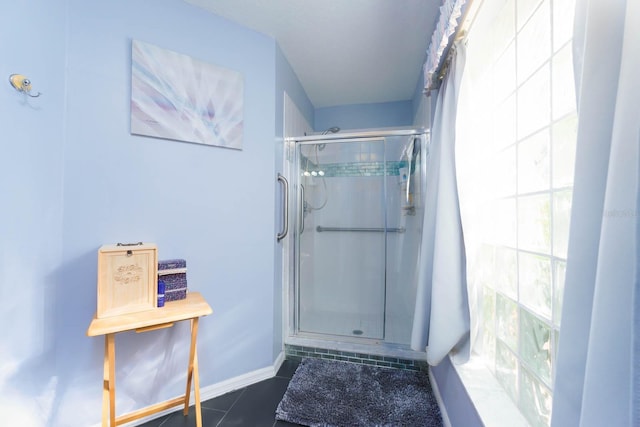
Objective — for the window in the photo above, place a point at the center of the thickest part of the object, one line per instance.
(516, 146)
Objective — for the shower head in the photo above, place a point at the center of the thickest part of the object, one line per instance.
(334, 129)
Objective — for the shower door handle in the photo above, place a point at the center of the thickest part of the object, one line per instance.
(301, 208)
(285, 208)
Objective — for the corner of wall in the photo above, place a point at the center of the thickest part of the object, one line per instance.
(454, 398)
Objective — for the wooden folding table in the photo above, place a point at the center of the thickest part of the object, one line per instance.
(191, 308)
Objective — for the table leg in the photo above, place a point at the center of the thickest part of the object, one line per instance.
(192, 373)
(196, 389)
(109, 382)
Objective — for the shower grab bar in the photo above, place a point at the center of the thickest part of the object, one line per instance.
(285, 208)
(321, 229)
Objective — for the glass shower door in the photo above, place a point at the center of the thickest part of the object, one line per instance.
(340, 237)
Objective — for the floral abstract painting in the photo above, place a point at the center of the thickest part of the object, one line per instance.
(177, 97)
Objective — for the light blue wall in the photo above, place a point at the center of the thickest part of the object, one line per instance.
(286, 81)
(74, 178)
(418, 98)
(362, 116)
(32, 42)
(418, 92)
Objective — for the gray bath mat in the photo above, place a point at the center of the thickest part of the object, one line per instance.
(330, 393)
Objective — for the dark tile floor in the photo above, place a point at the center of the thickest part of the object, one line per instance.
(252, 406)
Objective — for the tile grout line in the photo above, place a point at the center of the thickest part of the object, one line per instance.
(231, 407)
(165, 420)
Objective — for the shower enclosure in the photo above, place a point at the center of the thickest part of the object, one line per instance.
(357, 210)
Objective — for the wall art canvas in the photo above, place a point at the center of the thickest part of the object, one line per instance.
(174, 96)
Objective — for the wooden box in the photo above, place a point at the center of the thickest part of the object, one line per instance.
(127, 278)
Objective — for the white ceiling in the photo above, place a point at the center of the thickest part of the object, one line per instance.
(343, 51)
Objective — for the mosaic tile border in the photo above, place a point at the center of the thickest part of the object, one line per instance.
(392, 168)
(348, 169)
(296, 352)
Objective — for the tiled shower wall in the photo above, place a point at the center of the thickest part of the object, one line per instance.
(344, 293)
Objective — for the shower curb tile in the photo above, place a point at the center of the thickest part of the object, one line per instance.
(423, 366)
(297, 353)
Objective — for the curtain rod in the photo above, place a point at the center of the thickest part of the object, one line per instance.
(450, 13)
(461, 33)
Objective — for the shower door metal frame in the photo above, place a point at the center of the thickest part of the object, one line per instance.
(291, 306)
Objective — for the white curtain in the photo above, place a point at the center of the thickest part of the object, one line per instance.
(596, 381)
(441, 319)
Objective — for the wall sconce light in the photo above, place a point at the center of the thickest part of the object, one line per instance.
(22, 84)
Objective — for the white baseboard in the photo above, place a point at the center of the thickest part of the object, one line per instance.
(278, 363)
(436, 392)
(218, 389)
(235, 383)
